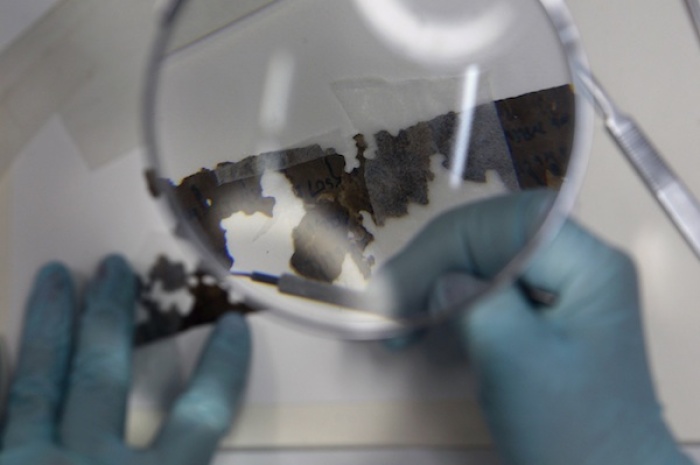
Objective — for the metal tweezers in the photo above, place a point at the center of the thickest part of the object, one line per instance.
(674, 197)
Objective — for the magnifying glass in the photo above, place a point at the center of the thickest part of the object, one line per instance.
(299, 145)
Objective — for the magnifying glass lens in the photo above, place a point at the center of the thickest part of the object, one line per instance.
(302, 144)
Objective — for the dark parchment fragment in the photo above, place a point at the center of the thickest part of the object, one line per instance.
(171, 275)
(400, 172)
(210, 301)
(332, 227)
(539, 128)
(488, 149)
(209, 196)
(527, 140)
(207, 202)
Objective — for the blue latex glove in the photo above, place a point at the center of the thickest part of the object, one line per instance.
(68, 399)
(563, 385)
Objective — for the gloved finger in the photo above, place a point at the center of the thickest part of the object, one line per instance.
(576, 265)
(498, 327)
(404, 341)
(477, 239)
(36, 392)
(449, 290)
(506, 343)
(455, 288)
(205, 411)
(100, 374)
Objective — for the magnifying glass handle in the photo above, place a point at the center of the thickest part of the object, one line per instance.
(675, 198)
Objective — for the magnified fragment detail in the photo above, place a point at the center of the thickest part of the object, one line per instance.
(539, 127)
(206, 201)
(525, 141)
(334, 200)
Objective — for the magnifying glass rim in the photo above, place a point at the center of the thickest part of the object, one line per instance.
(373, 326)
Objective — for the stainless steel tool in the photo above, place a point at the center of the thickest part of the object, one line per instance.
(675, 198)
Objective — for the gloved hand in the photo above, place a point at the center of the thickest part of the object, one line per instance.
(67, 402)
(563, 385)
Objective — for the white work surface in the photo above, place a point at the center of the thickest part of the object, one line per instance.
(646, 54)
